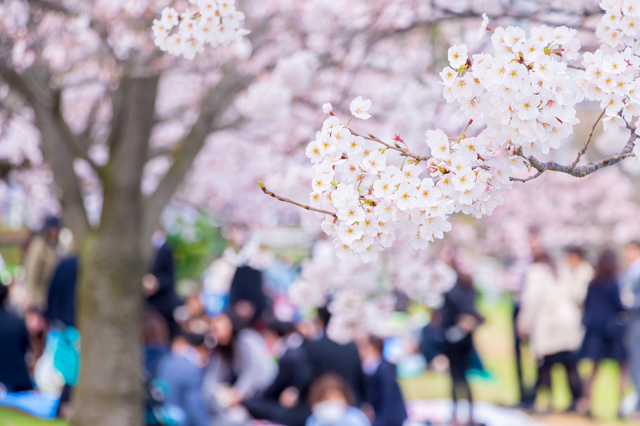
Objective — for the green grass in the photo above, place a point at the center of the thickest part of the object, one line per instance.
(14, 418)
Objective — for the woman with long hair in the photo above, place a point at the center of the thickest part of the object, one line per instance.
(604, 337)
(550, 319)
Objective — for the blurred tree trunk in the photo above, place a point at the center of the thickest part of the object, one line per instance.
(114, 255)
(109, 391)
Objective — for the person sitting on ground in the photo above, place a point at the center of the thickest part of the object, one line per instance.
(181, 373)
(285, 400)
(332, 403)
(14, 344)
(240, 366)
(327, 356)
(382, 390)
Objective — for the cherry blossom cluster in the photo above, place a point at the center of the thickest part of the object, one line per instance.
(610, 74)
(359, 295)
(213, 22)
(522, 94)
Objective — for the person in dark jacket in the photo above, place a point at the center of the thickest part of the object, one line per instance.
(604, 328)
(159, 285)
(246, 295)
(327, 356)
(182, 373)
(382, 390)
(14, 344)
(285, 400)
(61, 300)
(459, 319)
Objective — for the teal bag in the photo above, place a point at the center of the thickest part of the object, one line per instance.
(66, 353)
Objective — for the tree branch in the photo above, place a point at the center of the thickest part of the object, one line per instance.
(586, 144)
(286, 200)
(581, 171)
(214, 104)
(403, 151)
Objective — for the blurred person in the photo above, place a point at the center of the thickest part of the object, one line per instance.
(14, 345)
(61, 309)
(381, 385)
(632, 301)
(181, 372)
(61, 298)
(332, 403)
(246, 294)
(459, 320)
(604, 337)
(535, 246)
(159, 284)
(40, 261)
(577, 272)
(285, 400)
(551, 320)
(240, 365)
(327, 356)
(155, 337)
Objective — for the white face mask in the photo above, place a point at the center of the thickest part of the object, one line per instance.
(329, 412)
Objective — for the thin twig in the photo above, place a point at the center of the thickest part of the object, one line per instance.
(286, 200)
(404, 152)
(586, 144)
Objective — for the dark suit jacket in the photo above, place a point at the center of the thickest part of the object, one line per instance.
(294, 370)
(327, 356)
(61, 301)
(384, 394)
(14, 343)
(165, 299)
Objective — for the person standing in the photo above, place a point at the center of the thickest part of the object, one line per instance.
(551, 320)
(576, 273)
(40, 261)
(632, 301)
(602, 318)
(159, 284)
(459, 320)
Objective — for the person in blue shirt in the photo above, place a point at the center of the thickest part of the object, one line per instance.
(381, 386)
(181, 373)
(331, 402)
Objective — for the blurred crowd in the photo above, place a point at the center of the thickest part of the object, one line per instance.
(231, 364)
(570, 309)
(229, 358)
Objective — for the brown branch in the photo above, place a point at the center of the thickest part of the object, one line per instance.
(581, 171)
(586, 144)
(286, 200)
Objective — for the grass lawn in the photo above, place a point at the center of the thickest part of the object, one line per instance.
(15, 418)
(494, 344)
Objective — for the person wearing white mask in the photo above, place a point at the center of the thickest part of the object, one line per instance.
(331, 403)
